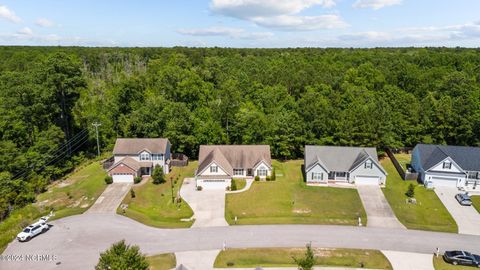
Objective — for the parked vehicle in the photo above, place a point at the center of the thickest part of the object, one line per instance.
(458, 257)
(33, 230)
(463, 199)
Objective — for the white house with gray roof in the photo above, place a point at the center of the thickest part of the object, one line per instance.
(218, 164)
(342, 164)
(447, 165)
(138, 156)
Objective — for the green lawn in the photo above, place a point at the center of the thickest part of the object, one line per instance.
(153, 204)
(403, 159)
(165, 261)
(72, 196)
(476, 202)
(428, 214)
(241, 183)
(282, 257)
(440, 264)
(288, 201)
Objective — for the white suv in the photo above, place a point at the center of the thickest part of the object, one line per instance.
(33, 230)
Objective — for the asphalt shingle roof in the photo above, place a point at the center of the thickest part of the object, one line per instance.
(132, 146)
(466, 157)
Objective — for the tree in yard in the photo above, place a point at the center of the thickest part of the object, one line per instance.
(410, 191)
(121, 256)
(158, 176)
(274, 175)
(308, 261)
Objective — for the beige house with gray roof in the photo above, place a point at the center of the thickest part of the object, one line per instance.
(219, 164)
(138, 157)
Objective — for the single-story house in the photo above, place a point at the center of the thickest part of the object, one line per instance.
(137, 157)
(218, 164)
(339, 164)
(447, 165)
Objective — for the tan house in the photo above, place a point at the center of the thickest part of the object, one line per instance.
(137, 157)
(218, 164)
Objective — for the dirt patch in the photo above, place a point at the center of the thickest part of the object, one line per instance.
(302, 211)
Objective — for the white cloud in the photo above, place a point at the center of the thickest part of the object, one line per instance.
(225, 31)
(9, 14)
(26, 31)
(279, 14)
(43, 22)
(376, 4)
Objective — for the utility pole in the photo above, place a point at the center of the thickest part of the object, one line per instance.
(96, 125)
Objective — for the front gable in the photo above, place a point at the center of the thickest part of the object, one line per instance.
(317, 167)
(262, 163)
(375, 170)
(454, 168)
(207, 171)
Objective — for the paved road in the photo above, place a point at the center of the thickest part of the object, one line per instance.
(76, 241)
(111, 198)
(379, 212)
(467, 217)
(208, 205)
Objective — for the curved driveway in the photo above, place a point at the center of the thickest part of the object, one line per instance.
(76, 241)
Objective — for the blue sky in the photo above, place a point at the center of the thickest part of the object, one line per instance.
(241, 23)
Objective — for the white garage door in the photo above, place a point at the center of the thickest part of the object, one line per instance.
(443, 181)
(367, 180)
(214, 184)
(122, 178)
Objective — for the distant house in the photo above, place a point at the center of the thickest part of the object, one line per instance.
(218, 164)
(329, 164)
(138, 157)
(447, 165)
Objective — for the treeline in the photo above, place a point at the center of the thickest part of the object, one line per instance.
(282, 97)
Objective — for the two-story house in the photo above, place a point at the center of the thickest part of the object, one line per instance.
(218, 164)
(447, 165)
(137, 157)
(339, 164)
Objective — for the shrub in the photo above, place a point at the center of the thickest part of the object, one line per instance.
(274, 175)
(230, 264)
(137, 179)
(268, 178)
(199, 188)
(132, 193)
(108, 179)
(257, 178)
(308, 261)
(233, 186)
(158, 175)
(410, 191)
(227, 188)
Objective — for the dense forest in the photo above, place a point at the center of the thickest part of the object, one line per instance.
(50, 96)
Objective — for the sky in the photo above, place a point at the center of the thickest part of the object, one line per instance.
(241, 23)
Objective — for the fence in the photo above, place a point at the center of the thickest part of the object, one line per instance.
(405, 175)
(179, 160)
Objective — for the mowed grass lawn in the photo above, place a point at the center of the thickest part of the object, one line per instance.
(72, 196)
(165, 261)
(283, 257)
(440, 264)
(476, 202)
(428, 214)
(153, 204)
(288, 200)
(403, 159)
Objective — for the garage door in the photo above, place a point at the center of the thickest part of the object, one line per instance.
(443, 181)
(214, 184)
(122, 178)
(367, 180)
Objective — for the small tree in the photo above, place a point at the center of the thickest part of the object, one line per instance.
(121, 256)
(274, 175)
(308, 261)
(158, 176)
(233, 186)
(410, 191)
(108, 179)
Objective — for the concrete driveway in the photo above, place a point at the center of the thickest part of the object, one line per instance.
(466, 217)
(379, 212)
(110, 199)
(409, 260)
(208, 205)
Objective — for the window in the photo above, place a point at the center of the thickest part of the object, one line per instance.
(340, 174)
(331, 175)
(473, 175)
(214, 169)
(368, 164)
(238, 171)
(262, 172)
(157, 156)
(144, 156)
(317, 176)
(447, 165)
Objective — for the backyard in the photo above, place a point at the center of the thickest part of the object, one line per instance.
(153, 204)
(283, 257)
(288, 200)
(427, 214)
(403, 159)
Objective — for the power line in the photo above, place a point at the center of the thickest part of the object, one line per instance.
(96, 125)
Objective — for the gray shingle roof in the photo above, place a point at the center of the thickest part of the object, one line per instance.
(132, 146)
(466, 157)
(233, 156)
(338, 158)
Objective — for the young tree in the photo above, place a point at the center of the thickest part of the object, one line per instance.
(308, 261)
(158, 176)
(410, 191)
(121, 256)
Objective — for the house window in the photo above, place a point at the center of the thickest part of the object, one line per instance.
(331, 175)
(144, 156)
(213, 169)
(262, 172)
(340, 174)
(473, 175)
(447, 165)
(238, 171)
(317, 176)
(157, 157)
(368, 164)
